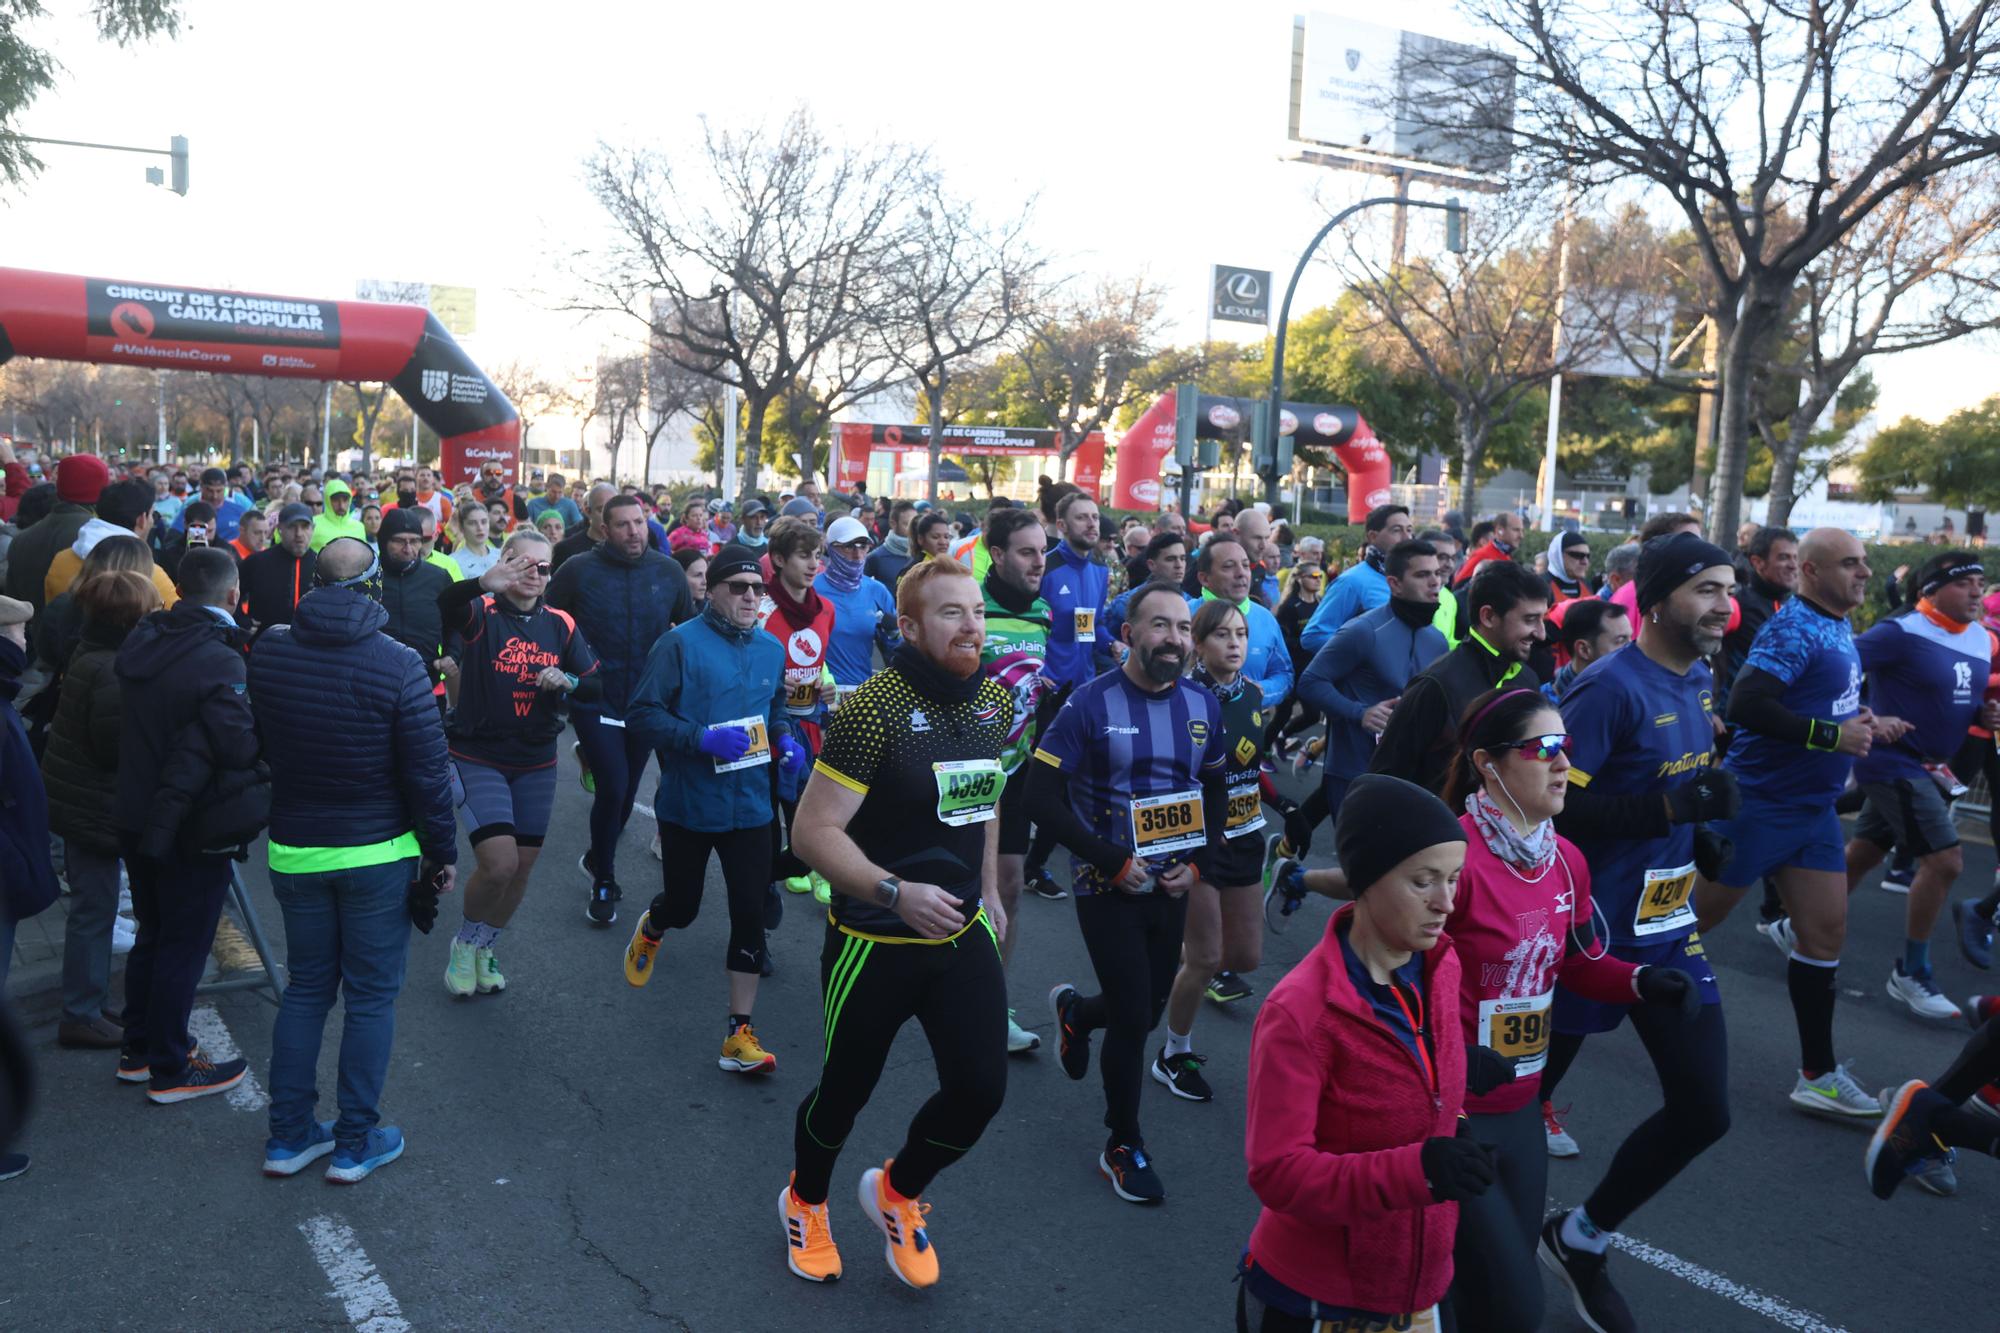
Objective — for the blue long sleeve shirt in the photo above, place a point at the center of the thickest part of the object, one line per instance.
(1269, 661)
(1372, 658)
(1361, 588)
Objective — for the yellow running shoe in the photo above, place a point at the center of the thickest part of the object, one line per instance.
(809, 1248)
(639, 953)
(799, 884)
(821, 890)
(742, 1055)
(901, 1222)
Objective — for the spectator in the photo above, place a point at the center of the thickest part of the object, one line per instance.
(276, 578)
(337, 520)
(124, 509)
(362, 842)
(886, 563)
(554, 500)
(80, 768)
(225, 509)
(190, 794)
(80, 480)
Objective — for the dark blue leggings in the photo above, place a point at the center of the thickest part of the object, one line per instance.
(617, 760)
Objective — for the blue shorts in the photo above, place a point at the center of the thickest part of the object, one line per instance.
(1578, 1017)
(506, 802)
(1771, 837)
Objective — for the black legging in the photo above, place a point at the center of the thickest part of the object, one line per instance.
(1496, 1284)
(746, 874)
(785, 863)
(1135, 947)
(959, 993)
(617, 759)
(1692, 1061)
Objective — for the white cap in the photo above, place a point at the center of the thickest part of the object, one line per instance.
(844, 530)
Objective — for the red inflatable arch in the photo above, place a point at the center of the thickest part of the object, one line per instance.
(69, 318)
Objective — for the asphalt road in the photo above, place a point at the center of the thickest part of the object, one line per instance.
(576, 1161)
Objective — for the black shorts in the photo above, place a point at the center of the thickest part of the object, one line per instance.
(1016, 829)
(1232, 862)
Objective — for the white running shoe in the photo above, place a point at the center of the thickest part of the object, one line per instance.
(1560, 1142)
(1779, 932)
(123, 936)
(1019, 1039)
(1835, 1095)
(1921, 993)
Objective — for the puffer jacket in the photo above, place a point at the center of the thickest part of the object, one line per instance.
(80, 765)
(347, 713)
(27, 880)
(623, 607)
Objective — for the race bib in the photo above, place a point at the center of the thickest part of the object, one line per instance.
(968, 791)
(1519, 1030)
(1086, 623)
(802, 698)
(1423, 1321)
(760, 744)
(1246, 811)
(1166, 824)
(1664, 902)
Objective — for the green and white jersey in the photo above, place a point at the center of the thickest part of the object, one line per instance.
(1017, 646)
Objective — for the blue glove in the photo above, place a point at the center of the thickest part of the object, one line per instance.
(790, 753)
(725, 743)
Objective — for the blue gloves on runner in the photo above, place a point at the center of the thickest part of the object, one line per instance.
(727, 744)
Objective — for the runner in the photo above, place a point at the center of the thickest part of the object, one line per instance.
(1130, 781)
(711, 698)
(864, 612)
(900, 816)
(1364, 585)
(1800, 726)
(1923, 1125)
(1226, 573)
(1641, 777)
(1222, 939)
(802, 622)
(1013, 654)
(515, 657)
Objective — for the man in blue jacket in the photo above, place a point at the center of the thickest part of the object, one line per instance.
(363, 839)
(1363, 586)
(1074, 586)
(623, 595)
(1224, 570)
(712, 697)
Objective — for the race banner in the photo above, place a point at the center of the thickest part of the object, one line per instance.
(856, 440)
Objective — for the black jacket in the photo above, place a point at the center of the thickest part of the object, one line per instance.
(34, 550)
(623, 607)
(80, 765)
(186, 740)
(273, 582)
(1422, 737)
(411, 599)
(347, 712)
(1756, 602)
(569, 548)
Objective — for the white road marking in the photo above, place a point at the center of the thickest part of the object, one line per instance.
(217, 1044)
(646, 810)
(370, 1306)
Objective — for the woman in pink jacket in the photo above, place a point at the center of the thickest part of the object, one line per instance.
(1357, 1074)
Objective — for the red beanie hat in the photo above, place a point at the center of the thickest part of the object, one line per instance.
(81, 478)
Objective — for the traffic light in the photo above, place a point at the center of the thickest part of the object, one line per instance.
(1454, 224)
(179, 146)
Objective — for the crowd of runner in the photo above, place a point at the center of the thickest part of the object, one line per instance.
(1544, 783)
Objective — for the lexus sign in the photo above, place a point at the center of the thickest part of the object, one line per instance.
(1242, 295)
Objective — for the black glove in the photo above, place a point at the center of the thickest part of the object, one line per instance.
(423, 895)
(1298, 833)
(1485, 1070)
(1711, 794)
(1669, 986)
(1712, 852)
(1456, 1169)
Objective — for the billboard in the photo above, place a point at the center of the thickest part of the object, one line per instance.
(857, 440)
(1401, 94)
(455, 307)
(1240, 295)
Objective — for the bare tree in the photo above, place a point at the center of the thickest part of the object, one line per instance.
(618, 398)
(1775, 130)
(535, 393)
(367, 412)
(1091, 355)
(756, 259)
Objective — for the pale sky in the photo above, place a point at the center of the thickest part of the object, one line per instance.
(441, 143)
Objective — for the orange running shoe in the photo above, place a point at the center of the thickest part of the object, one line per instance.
(639, 952)
(809, 1248)
(901, 1222)
(742, 1055)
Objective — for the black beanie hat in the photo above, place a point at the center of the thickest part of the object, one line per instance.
(1665, 563)
(732, 560)
(1384, 819)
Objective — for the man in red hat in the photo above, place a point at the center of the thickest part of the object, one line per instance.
(80, 479)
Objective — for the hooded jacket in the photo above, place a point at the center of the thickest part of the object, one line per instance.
(623, 607)
(1337, 1112)
(67, 564)
(80, 765)
(1074, 586)
(274, 580)
(35, 549)
(349, 712)
(27, 879)
(327, 525)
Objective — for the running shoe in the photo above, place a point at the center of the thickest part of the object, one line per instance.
(1072, 1043)
(1308, 756)
(1897, 880)
(799, 884)
(639, 952)
(201, 1078)
(1560, 1142)
(1975, 933)
(1920, 991)
(355, 1162)
(906, 1240)
(1836, 1095)
(584, 777)
(486, 972)
(583, 864)
(1985, 1103)
(1131, 1173)
(1019, 1040)
(1284, 892)
(12, 1164)
(602, 909)
(1276, 849)
(809, 1248)
(774, 908)
(1935, 1175)
(822, 891)
(1227, 987)
(133, 1066)
(288, 1159)
(1181, 1074)
(1903, 1141)
(742, 1055)
(1979, 1008)
(1039, 883)
(1597, 1302)
(1779, 932)
(458, 973)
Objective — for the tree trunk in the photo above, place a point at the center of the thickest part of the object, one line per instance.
(1785, 469)
(935, 393)
(1472, 429)
(753, 437)
(1732, 425)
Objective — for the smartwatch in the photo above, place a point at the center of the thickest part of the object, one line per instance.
(887, 890)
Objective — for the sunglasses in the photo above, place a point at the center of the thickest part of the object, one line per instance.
(1544, 748)
(738, 588)
(541, 567)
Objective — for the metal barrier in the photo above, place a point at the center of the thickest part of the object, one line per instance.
(273, 978)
